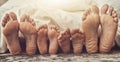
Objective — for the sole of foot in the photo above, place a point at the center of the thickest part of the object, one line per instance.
(10, 31)
(42, 38)
(64, 41)
(109, 23)
(27, 28)
(77, 40)
(91, 21)
(53, 33)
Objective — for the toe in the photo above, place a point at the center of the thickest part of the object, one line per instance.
(53, 27)
(74, 31)
(111, 10)
(31, 21)
(50, 26)
(83, 17)
(67, 31)
(95, 9)
(86, 12)
(114, 14)
(104, 9)
(116, 19)
(59, 36)
(23, 18)
(43, 27)
(56, 28)
(26, 18)
(5, 19)
(13, 15)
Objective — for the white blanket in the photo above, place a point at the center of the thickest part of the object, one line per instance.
(62, 14)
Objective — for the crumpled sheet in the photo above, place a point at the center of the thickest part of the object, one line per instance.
(61, 16)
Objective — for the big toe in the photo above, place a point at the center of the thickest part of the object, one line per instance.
(13, 15)
(42, 26)
(23, 18)
(104, 9)
(85, 13)
(67, 31)
(95, 9)
(74, 31)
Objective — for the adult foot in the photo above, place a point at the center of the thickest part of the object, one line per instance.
(42, 39)
(64, 41)
(109, 23)
(10, 31)
(77, 40)
(29, 31)
(53, 33)
(91, 21)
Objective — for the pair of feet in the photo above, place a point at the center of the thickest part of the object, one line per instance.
(27, 29)
(91, 22)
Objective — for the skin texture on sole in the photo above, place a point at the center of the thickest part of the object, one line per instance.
(91, 21)
(27, 28)
(10, 32)
(109, 23)
(64, 41)
(53, 33)
(77, 40)
(42, 38)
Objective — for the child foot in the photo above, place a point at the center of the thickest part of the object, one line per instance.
(64, 41)
(91, 21)
(30, 33)
(53, 33)
(77, 40)
(109, 23)
(42, 39)
(10, 31)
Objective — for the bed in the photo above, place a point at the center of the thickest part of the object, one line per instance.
(64, 15)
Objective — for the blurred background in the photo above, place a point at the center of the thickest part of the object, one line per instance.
(2, 2)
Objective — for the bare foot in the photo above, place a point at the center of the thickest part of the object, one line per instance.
(10, 31)
(91, 21)
(53, 33)
(30, 33)
(42, 39)
(109, 23)
(64, 41)
(77, 40)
